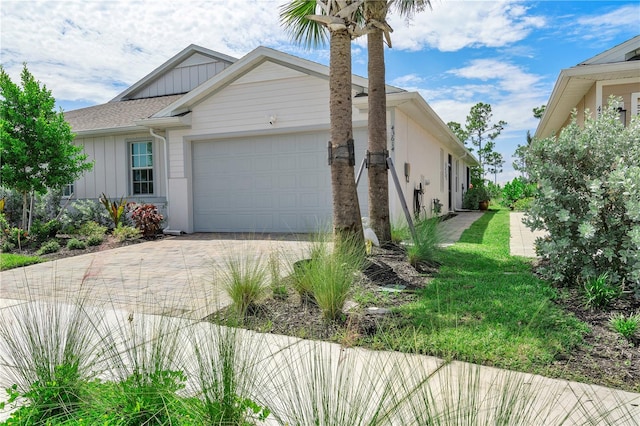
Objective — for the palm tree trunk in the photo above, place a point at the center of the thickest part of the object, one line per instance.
(377, 124)
(346, 209)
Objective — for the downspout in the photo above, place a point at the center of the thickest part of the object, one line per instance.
(166, 176)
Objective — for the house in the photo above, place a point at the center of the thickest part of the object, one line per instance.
(225, 145)
(588, 86)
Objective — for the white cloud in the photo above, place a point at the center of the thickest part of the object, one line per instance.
(405, 81)
(453, 25)
(92, 50)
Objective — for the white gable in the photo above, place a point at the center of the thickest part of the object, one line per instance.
(269, 71)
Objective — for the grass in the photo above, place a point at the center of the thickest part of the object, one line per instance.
(485, 307)
(11, 260)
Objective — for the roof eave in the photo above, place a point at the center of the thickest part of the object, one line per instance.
(110, 130)
(559, 106)
(412, 104)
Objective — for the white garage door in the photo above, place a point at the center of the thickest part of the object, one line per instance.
(278, 183)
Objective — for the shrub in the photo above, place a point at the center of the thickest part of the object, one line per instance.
(473, 196)
(81, 212)
(523, 204)
(95, 239)
(146, 218)
(126, 233)
(76, 244)
(92, 228)
(43, 231)
(243, 279)
(516, 190)
(589, 200)
(49, 247)
(598, 292)
(626, 326)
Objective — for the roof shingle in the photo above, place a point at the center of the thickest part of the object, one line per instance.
(113, 115)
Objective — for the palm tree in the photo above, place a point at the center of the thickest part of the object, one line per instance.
(308, 21)
(378, 32)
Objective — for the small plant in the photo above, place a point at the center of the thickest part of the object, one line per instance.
(400, 232)
(626, 326)
(278, 287)
(114, 209)
(329, 275)
(425, 249)
(76, 244)
(51, 246)
(95, 239)
(243, 280)
(226, 372)
(146, 218)
(92, 228)
(126, 233)
(599, 292)
(81, 212)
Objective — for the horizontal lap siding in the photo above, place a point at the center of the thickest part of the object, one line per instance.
(298, 101)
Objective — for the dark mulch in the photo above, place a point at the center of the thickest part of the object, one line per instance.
(605, 358)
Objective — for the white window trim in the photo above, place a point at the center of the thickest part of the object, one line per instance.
(635, 102)
(153, 166)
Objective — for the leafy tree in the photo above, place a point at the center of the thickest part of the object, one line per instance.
(495, 162)
(307, 22)
(378, 32)
(479, 133)
(35, 141)
(458, 130)
(589, 200)
(520, 164)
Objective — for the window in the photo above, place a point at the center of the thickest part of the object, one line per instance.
(142, 168)
(67, 190)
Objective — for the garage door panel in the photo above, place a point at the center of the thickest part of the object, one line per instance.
(278, 183)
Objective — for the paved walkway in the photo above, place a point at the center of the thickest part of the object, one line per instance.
(175, 278)
(522, 238)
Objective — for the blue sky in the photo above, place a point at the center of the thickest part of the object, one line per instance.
(504, 53)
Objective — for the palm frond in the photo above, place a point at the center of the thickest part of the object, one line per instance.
(294, 19)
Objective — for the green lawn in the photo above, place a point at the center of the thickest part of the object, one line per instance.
(485, 307)
(10, 260)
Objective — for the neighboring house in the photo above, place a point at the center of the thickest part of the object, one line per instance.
(588, 86)
(226, 145)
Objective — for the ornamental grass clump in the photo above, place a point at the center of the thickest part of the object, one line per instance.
(48, 350)
(244, 280)
(589, 200)
(426, 247)
(225, 367)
